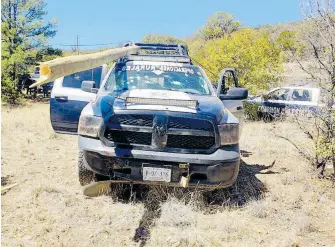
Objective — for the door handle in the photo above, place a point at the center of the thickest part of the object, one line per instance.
(61, 98)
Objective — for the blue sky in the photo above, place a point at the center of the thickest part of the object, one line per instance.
(107, 21)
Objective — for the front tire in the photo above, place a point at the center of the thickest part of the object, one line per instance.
(85, 176)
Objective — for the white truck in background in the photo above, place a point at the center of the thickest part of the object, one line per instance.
(282, 101)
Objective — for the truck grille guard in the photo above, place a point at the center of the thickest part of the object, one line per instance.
(160, 133)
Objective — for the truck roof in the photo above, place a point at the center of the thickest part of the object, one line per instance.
(166, 63)
(176, 53)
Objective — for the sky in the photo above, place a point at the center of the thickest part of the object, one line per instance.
(110, 21)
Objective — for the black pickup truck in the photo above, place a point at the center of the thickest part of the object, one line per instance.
(153, 118)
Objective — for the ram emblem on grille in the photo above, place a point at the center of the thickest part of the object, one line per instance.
(140, 121)
(160, 130)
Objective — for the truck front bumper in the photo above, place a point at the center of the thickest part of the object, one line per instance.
(216, 170)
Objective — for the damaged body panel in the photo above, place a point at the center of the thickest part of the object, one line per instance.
(160, 122)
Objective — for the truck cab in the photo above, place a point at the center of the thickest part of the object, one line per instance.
(153, 118)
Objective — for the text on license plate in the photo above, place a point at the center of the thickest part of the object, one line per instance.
(156, 174)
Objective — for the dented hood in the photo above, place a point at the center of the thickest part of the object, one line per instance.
(160, 101)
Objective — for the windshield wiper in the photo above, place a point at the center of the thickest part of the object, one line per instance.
(121, 89)
(191, 92)
(176, 90)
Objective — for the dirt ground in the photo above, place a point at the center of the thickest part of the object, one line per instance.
(277, 201)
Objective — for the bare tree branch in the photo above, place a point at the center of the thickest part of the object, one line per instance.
(317, 56)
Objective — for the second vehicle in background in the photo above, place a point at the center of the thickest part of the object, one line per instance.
(279, 102)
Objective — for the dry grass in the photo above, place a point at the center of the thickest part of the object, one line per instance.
(279, 205)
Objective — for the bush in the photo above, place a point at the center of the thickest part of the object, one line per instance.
(219, 25)
(255, 57)
(9, 94)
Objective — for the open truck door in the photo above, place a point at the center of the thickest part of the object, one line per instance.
(231, 94)
(70, 94)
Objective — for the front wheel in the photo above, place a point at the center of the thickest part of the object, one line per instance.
(85, 176)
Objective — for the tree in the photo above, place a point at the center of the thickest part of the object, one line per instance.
(318, 37)
(287, 41)
(256, 59)
(164, 39)
(219, 25)
(48, 53)
(23, 32)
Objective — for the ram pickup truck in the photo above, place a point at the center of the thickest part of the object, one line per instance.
(153, 118)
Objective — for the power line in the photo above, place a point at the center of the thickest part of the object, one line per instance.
(112, 43)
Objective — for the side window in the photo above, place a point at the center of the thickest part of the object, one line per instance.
(76, 79)
(302, 95)
(228, 82)
(280, 94)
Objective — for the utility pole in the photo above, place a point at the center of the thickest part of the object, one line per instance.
(77, 44)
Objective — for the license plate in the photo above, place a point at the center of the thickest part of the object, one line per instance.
(156, 174)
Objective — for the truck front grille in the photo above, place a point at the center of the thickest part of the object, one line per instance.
(161, 132)
(136, 120)
(189, 123)
(190, 142)
(127, 137)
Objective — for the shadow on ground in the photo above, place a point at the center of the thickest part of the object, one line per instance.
(5, 180)
(247, 188)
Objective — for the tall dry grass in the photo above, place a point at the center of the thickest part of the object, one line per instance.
(277, 201)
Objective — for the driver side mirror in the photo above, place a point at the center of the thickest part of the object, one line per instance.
(226, 75)
(88, 86)
(235, 94)
(265, 96)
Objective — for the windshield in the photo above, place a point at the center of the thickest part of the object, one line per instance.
(186, 78)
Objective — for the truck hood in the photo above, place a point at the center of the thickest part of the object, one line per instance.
(206, 104)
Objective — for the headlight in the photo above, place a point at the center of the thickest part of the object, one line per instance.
(229, 134)
(89, 125)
